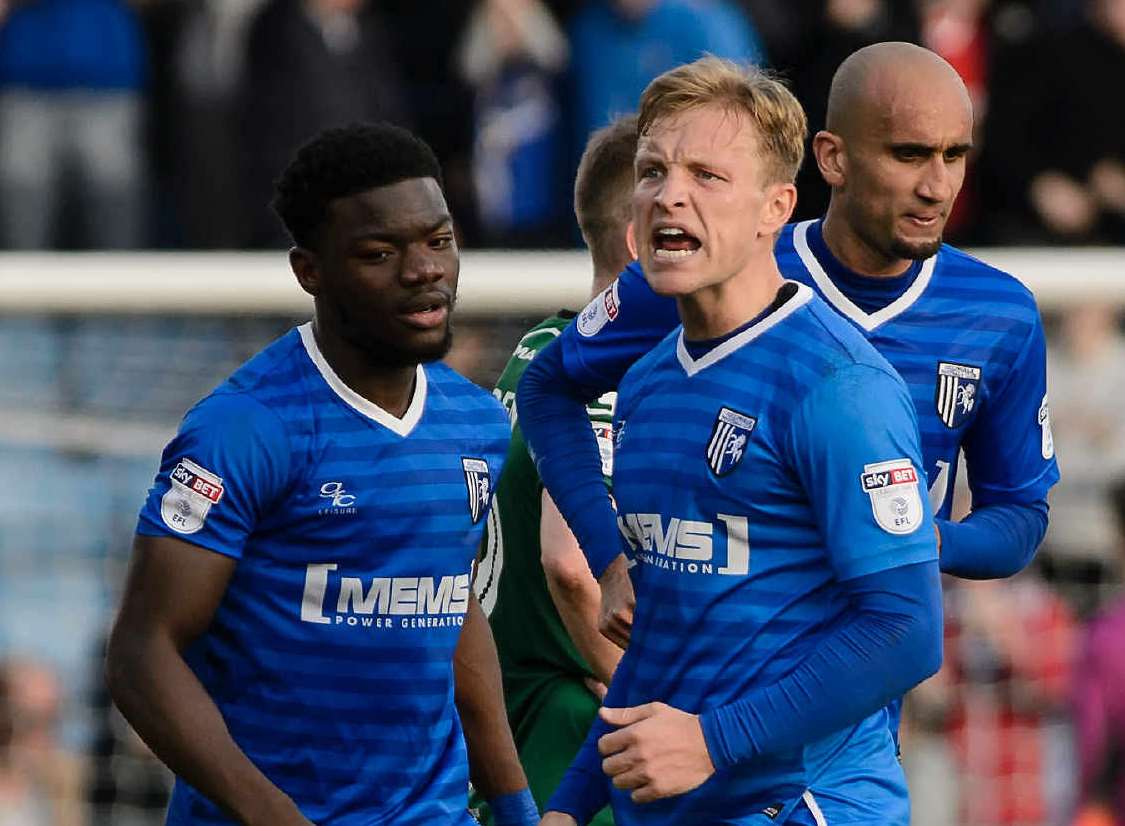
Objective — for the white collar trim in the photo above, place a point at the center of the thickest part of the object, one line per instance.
(844, 305)
(802, 297)
(403, 426)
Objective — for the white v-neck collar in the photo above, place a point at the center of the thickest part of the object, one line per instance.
(844, 305)
(402, 427)
(692, 366)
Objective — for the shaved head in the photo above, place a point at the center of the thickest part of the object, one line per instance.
(874, 83)
(899, 130)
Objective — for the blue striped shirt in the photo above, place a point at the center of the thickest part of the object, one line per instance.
(330, 654)
(751, 482)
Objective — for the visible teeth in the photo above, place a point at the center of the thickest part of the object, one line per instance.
(674, 254)
(670, 231)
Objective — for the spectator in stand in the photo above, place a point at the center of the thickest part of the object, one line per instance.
(310, 65)
(1099, 702)
(618, 46)
(197, 49)
(830, 31)
(72, 76)
(1056, 141)
(1008, 651)
(512, 54)
(40, 783)
(1086, 376)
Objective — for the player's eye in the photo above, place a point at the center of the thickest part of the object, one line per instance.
(649, 172)
(909, 153)
(706, 175)
(441, 242)
(956, 154)
(374, 256)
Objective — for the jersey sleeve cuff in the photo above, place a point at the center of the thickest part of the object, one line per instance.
(922, 550)
(147, 527)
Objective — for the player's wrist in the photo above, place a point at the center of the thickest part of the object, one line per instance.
(514, 809)
(269, 809)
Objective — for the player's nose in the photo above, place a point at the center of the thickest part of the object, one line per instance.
(672, 190)
(936, 181)
(422, 265)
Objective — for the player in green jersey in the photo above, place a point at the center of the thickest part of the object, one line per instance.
(532, 577)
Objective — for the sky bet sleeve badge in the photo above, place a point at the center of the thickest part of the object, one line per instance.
(478, 485)
(896, 500)
(599, 312)
(194, 490)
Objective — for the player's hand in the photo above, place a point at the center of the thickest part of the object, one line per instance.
(658, 751)
(616, 618)
(557, 819)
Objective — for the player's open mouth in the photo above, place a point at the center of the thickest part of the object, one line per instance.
(673, 244)
(427, 312)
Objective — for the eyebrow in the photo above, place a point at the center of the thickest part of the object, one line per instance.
(929, 148)
(393, 236)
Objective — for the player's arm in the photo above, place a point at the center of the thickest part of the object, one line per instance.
(884, 557)
(171, 593)
(574, 591)
(618, 327)
(1011, 464)
(494, 766)
(862, 474)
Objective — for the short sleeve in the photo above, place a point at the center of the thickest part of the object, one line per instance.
(855, 447)
(1009, 450)
(622, 323)
(227, 464)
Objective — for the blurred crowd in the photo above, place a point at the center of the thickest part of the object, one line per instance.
(160, 123)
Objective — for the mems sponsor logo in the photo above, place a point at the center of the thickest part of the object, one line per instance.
(383, 602)
(686, 545)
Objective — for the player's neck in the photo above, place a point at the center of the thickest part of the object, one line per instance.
(856, 254)
(602, 279)
(389, 387)
(714, 311)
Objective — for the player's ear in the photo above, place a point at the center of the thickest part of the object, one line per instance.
(305, 266)
(828, 149)
(631, 240)
(780, 201)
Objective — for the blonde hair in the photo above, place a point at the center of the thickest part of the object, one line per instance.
(746, 90)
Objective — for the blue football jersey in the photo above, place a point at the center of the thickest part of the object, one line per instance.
(968, 341)
(330, 655)
(965, 337)
(751, 482)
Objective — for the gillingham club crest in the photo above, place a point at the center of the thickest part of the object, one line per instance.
(729, 436)
(478, 484)
(956, 392)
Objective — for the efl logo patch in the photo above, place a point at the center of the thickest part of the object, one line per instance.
(193, 491)
(896, 499)
(478, 484)
(599, 312)
(729, 435)
(956, 392)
